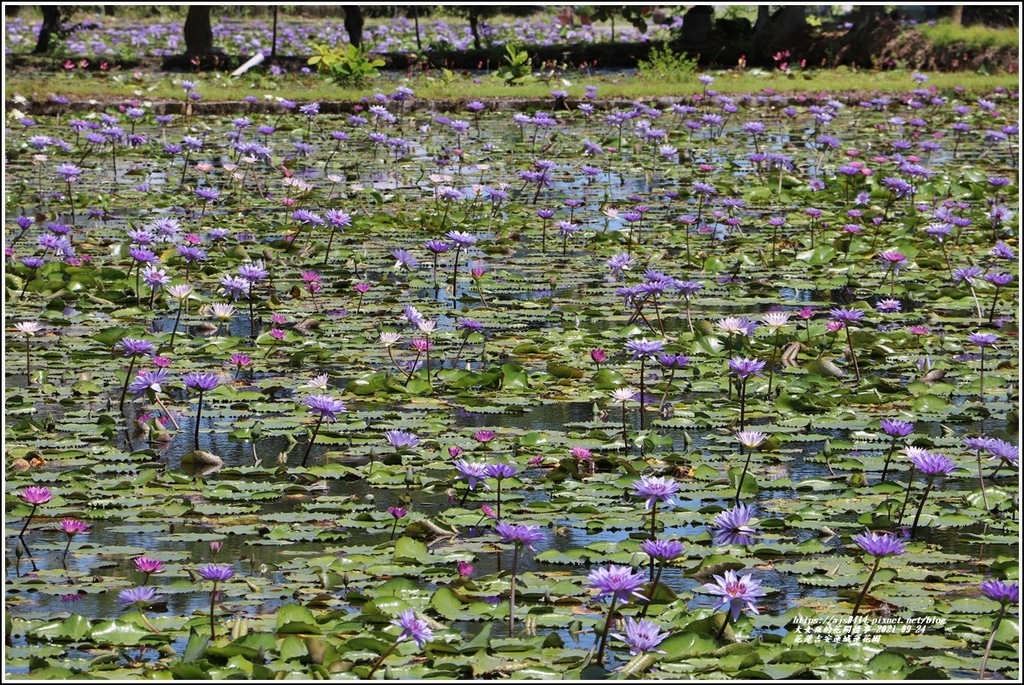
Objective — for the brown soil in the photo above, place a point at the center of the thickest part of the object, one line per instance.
(884, 45)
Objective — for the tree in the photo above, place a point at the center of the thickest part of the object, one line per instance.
(634, 14)
(989, 15)
(354, 24)
(477, 12)
(198, 31)
(52, 17)
(778, 30)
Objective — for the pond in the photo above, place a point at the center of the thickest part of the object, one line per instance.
(367, 341)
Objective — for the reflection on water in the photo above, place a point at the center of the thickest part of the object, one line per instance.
(187, 542)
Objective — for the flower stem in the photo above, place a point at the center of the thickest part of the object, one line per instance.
(312, 439)
(654, 511)
(641, 394)
(906, 499)
(380, 660)
(71, 201)
(981, 481)
(427, 362)
(169, 415)
(771, 364)
(991, 640)
(888, 457)
(391, 356)
(981, 377)
(668, 386)
(995, 300)
(860, 598)
(458, 355)
(604, 633)
(725, 623)
(21, 535)
(853, 356)
(199, 416)
(177, 320)
(920, 506)
(625, 432)
(743, 402)
(739, 485)
(455, 275)
(977, 305)
(728, 353)
(127, 379)
(654, 585)
(512, 591)
(213, 605)
(252, 320)
(145, 619)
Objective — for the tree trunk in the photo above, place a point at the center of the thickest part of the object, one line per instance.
(763, 15)
(956, 14)
(51, 24)
(872, 27)
(416, 19)
(273, 39)
(354, 24)
(865, 15)
(474, 20)
(698, 23)
(198, 31)
(782, 29)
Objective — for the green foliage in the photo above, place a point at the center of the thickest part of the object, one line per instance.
(667, 64)
(517, 67)
(946, 34)
(346, 65)
(634, 14)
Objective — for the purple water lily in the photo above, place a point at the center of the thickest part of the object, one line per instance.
(732, 526)
(217, 573)
(736, 593)
(623, 584)
(878, 545)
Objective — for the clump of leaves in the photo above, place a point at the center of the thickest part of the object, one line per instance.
(517, 67)
(667, 64)
(346, 65)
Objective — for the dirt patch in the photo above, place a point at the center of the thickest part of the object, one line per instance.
(886, 45)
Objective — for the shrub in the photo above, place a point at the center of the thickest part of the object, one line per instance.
(517, 67)
(667, 64)
(346, 65)
(947, 34)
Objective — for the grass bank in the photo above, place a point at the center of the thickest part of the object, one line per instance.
(971, 38)
(440, 85)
